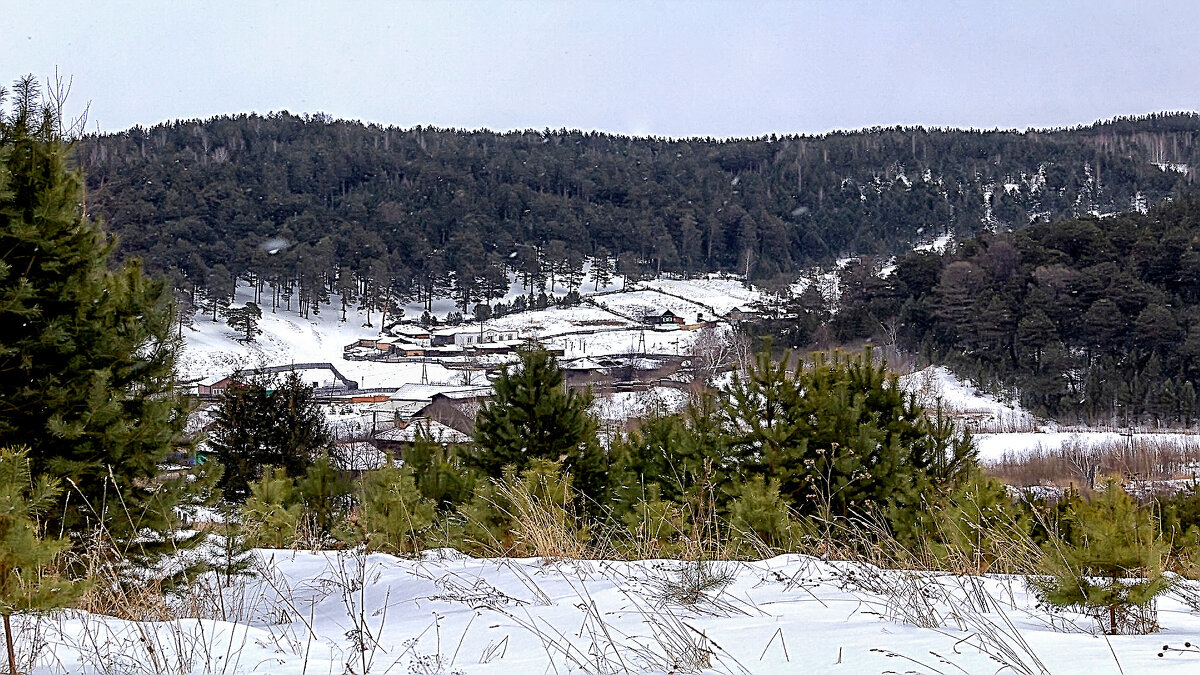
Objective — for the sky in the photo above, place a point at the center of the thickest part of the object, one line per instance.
(721, 69)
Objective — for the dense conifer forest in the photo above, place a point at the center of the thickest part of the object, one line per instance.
(1093, 319)
(365, 209)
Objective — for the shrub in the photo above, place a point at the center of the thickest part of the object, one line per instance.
(1111, 567)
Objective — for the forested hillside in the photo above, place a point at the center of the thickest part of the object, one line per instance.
(1092, 318)
(366, 209)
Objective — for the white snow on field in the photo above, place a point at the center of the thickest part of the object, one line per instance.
(328, 613)
(557, 320)
(676, 342)
(993, 447)
(214, 349)
(636, 304)
(623, 405)
(718, 293)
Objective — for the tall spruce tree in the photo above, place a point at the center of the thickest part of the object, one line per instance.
(87, 353)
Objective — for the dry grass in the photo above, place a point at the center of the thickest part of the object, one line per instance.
(1146, 457)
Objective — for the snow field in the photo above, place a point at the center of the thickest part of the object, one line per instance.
(348, 612)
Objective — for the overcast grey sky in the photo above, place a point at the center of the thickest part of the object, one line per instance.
(664, 68)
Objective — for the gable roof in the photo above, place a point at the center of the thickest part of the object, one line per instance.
(423, 426)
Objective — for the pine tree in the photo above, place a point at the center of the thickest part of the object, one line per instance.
(326, 494)
(25, 585)
(263, 423)
(532, 415)
(273, 511)
(1110, 563)
(394, 514)
(245, 320)
(87, 356)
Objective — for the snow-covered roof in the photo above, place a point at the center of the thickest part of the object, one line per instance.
(212, 379)
(584, 363)
(425, 427)
(475, 392)
(426, 392)
(409, 330)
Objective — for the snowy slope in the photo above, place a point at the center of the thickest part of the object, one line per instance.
(345, 612)
(937, 382)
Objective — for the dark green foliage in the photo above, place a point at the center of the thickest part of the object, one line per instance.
(87, 354)
(532, 415)
(273, 512)
(266, 423)
(245, 320)
(840, 435)
(25, 553)
(1089, 320)
(440, 473)
(671, 455)
(424, 210)
(394, 515)
(325, 492)
(1111, 563)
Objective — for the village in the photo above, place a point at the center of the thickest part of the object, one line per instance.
(649, 347)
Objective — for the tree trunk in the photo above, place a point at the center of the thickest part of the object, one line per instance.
(8, 640)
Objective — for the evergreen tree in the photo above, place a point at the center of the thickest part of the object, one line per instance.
(273, 511)
(245, 320)
(841, 435)
(25, 584)
(1110, 563)
(263, 423)
(532, 415)
(87, 355)
(326, 495)
(394, 514)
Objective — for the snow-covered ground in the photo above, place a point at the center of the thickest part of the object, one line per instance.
(624, 405)
(214, 349)
(993, 447)
(937, 382)
(330, 613)
(719, 292)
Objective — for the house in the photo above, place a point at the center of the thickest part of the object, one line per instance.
(457, 409)
(742, 313)
(214, 385)
(422, 394)
(665, 320)
(446, 336)
(469, 338)
(401, 437)
(584, 371)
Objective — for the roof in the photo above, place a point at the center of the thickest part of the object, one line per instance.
(213, 379)
(424, 427)
(426, 392)
(584, 363)
(409, 329)
(475, 392)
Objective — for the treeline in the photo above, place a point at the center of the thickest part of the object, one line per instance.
(1090, 319)
(309, 208)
